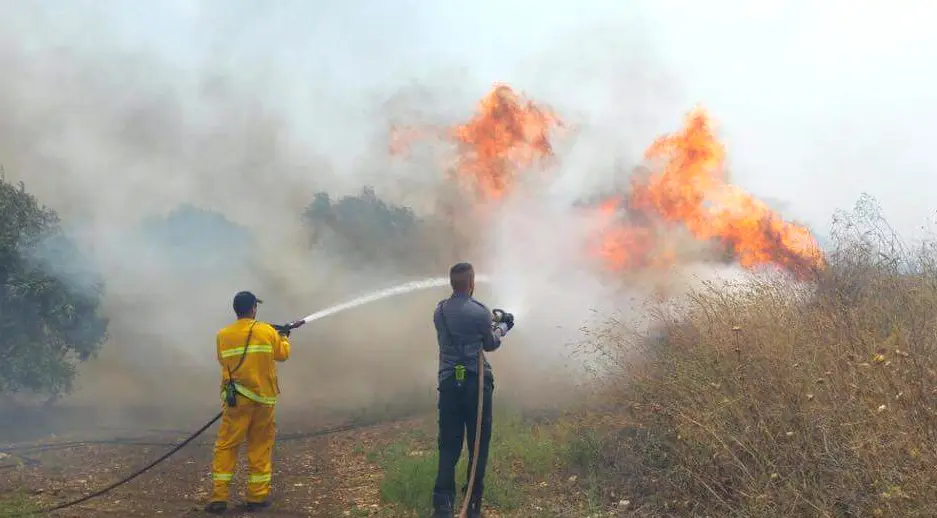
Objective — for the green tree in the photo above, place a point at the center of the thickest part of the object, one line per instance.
(49, 298)
(364, 229)
(196, 240)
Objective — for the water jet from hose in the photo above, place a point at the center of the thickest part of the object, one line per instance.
(402, 289)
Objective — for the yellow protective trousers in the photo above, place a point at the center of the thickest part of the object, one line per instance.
(255, 422)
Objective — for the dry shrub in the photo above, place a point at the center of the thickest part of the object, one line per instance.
(790, 399)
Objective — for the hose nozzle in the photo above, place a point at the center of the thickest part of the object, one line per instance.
(499, 315)
(285, 329)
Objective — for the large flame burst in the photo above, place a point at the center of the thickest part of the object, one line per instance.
(687, 186)
(509, 134)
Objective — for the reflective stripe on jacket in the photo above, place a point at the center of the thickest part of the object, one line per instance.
(256, 378)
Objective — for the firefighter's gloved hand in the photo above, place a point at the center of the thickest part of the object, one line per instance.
(501, 328)
(501, 316)
(285, 329)
(509, 320)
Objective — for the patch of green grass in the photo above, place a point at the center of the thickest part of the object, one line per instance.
(521, 455)
(583, 451)
(15, 503)
(534, 447)
(409, 476)
(503, 491)
(594, 487)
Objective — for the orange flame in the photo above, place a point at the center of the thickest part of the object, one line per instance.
(622, 247)
(691, 188)
(507, 134)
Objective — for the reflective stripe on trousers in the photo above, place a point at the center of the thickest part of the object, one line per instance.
(254, 422)
(257, 479)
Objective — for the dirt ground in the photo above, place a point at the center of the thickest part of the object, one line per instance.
(325, 475)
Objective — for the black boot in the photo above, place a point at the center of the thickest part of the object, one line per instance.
(216, 507)
(256, 506)
(475, 507)
(442, 505)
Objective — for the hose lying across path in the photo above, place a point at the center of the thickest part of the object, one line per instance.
(17, 450)
(123, 481)
(130, 442)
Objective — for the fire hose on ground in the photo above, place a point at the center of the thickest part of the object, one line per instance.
(131, 442)
(123, 481)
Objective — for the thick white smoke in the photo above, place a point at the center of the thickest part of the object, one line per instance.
(110, 133)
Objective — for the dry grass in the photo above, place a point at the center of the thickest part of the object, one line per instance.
(783, 399)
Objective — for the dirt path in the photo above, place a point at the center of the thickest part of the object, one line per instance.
(325, 476)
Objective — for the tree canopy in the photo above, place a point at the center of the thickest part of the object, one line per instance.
(195, 239)
(49, 298)
(363, 229)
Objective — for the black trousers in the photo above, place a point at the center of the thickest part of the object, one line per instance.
(458, 406)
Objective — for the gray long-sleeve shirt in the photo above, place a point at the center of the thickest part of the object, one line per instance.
(463, 327)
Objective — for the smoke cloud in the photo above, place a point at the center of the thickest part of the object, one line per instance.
(137, 127)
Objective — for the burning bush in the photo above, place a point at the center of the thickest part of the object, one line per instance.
(789, 399)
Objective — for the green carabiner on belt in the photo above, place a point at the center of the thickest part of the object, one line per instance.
(460, 372)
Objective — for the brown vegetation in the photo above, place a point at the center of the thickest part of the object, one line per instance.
(788, 399)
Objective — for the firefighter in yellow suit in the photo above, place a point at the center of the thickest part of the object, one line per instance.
(247, 351)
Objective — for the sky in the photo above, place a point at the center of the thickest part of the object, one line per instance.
(817, 101)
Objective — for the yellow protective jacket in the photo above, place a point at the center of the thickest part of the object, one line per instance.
(256, 378)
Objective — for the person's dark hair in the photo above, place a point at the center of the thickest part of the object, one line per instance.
(460, 277)
(244, 303)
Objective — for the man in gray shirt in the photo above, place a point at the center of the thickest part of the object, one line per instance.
(463, 329)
